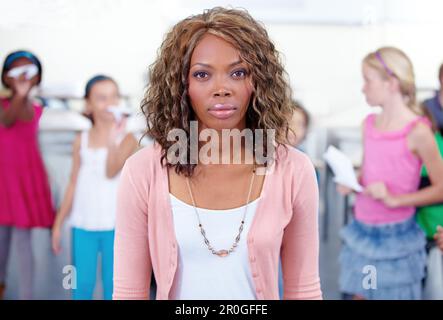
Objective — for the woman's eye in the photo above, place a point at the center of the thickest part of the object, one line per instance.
(200, 75)
(239, 73)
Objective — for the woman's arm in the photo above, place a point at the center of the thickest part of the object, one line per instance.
(300, 247)
(132, 261)
(68, 198)
(118, 153)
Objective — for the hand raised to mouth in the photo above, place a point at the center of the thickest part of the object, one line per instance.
(119, 112)
(30, 70)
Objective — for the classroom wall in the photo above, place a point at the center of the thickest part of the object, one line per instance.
(77, 39)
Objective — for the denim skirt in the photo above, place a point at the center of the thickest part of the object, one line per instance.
(383, 262)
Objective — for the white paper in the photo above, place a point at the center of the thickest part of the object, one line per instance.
(118, 112)
(30, 70)
(342, 168)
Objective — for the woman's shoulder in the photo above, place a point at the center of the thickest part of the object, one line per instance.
(290, 157)
(141, 168)
(297, 172)
(145, 158)
(291, 165)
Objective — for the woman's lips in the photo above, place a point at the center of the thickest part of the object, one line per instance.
(222, 111)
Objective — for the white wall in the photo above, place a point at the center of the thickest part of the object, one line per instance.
(77, 39)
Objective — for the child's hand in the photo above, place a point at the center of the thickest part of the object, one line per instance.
(343, 190)
(391, 201)
(379, 191)
(117, 131)
(55, 239)
(439, 237)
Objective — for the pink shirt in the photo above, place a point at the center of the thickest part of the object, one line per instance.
(387, 159)
(286, 222)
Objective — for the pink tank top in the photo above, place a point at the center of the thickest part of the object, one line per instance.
(387, 159)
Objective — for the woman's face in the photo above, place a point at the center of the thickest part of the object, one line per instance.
(103, 94)
(219, 85)
(375, 88)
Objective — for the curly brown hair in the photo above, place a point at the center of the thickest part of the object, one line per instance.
(166, 104)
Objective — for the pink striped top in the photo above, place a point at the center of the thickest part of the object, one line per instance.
(387, 159)
(285, 222)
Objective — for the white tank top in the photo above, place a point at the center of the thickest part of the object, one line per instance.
(94, 204)
(201, 274)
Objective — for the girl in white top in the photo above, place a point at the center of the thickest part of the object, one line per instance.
(98, 156)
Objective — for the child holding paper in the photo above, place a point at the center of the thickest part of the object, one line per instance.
(383, 255)
(90, 198)
(25, 195)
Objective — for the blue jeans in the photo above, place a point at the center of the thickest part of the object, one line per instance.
(86, 247)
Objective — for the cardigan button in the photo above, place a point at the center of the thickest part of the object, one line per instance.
(252, 258)
(250, 240)
(255, 275)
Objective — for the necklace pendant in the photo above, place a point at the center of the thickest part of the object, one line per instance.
(222, 253)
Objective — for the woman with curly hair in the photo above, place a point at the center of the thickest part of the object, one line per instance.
(184, 217)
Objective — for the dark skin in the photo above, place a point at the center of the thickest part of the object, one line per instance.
(21, 107)
(217, 75)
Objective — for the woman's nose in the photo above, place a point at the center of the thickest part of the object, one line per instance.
(221, 87)
(222, 92)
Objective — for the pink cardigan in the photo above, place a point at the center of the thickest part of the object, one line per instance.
(286, 223)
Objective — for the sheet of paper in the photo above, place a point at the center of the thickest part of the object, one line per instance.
(119, 112)
(342, 168)
(30, 71)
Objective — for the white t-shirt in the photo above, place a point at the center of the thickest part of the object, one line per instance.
(95, 198)
(201, 274)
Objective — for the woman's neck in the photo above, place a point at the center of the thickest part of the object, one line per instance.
(225, 152)
(224, 148)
